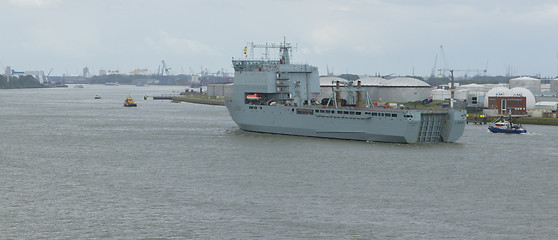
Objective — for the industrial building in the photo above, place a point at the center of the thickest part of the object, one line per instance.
(39, 75)
(510, 94)
(515, 105)
(220, 90)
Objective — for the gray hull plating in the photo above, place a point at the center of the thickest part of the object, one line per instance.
(408, 126)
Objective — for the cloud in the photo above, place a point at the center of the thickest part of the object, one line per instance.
(167, 43)
(33, 3)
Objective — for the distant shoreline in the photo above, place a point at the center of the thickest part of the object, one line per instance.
(522, 120)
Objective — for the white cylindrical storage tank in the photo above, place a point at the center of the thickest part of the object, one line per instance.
(371, 84)
(327, 84)
(228, 90)
(473, 89)
(554, 86)
(403, 89)
(461, 94)
(533, 84)
(440, 94)
(211, 90)
(497, 91)
(524, 92)
(370, 81)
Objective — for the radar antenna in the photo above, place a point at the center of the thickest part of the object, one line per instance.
(283, 47)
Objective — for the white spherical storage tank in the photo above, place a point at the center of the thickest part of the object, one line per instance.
(524, 92)
(554, 86)
(371, 81)
(402, 89)
(533, 84)
(371, 85)
(495, 92)
(327, 84)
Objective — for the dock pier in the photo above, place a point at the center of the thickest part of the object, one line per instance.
(164, 97)
(477, 119)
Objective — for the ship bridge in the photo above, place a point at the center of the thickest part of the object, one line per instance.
(255, 65)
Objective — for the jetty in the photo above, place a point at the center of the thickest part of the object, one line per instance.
(199, 99)
(477, 119)
(165, 97)
(192, 98)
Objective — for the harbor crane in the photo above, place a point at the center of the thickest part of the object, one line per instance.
(48, 75)
(444, 66)
(164, 70)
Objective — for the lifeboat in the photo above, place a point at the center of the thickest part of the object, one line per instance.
(255, 96)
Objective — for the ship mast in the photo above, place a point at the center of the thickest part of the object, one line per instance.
(284, 48)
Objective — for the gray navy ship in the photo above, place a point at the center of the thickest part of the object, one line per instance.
(277, 96)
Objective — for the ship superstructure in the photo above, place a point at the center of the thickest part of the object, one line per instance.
(277, 96)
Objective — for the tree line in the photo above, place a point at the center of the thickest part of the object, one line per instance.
(26, 81)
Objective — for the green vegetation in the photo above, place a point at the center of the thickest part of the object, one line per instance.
(27, 81)
(538, 121)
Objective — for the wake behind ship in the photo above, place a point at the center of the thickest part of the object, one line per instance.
(277, 96)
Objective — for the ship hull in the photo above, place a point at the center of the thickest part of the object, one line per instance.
(395, 126)
(504, 130)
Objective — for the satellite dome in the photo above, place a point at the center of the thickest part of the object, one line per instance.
(524, 92)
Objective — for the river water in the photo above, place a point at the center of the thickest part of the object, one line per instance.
(75, 167)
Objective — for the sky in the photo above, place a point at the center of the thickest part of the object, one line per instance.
(400, 37)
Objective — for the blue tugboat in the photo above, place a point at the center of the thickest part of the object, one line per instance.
(500, 125)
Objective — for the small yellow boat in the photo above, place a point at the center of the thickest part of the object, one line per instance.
(129, 102)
